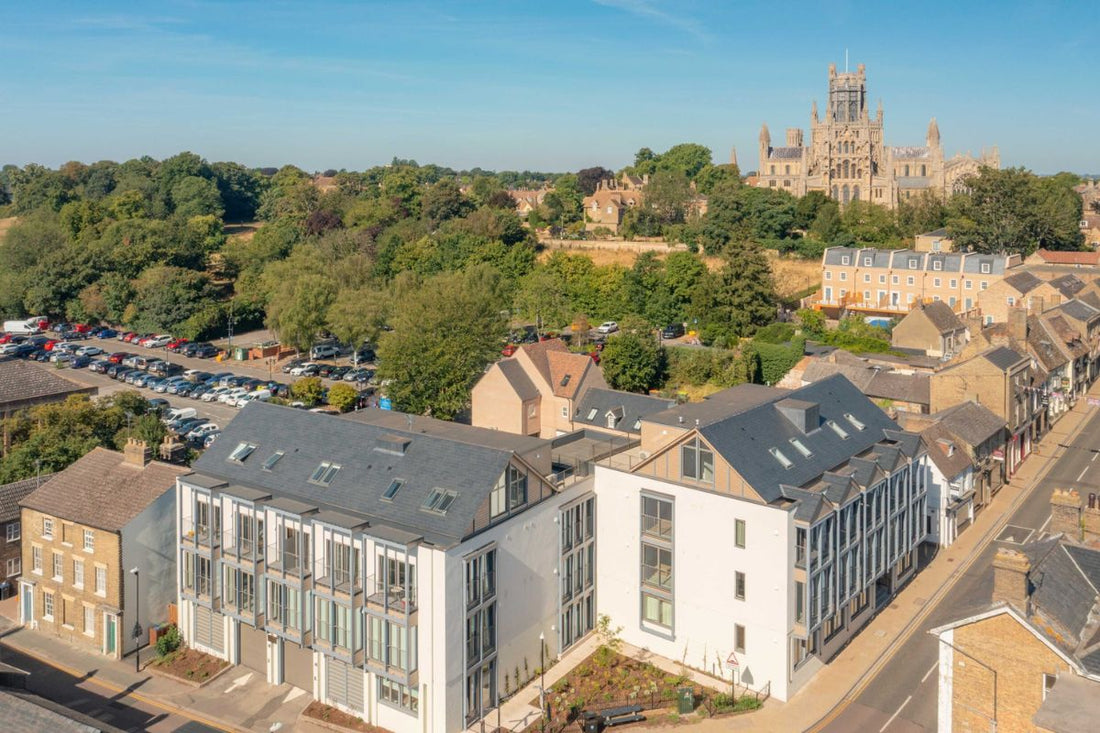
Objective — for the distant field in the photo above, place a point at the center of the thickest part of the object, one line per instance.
(791, 276)
(242, 230)
(6, 224)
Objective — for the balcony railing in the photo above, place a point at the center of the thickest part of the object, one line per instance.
(338, 580)
(199, 535)
(287, 562)
(246, 549)
(391, 596)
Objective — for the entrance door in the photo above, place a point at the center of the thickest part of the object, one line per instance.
(110, 630)
(27, 591)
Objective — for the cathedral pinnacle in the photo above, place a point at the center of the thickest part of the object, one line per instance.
(933, 138)
(765, 136)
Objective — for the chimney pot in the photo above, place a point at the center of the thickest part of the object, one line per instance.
(136, 453)
(1010, 583)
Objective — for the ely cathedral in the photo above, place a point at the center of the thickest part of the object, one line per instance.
(848, 159)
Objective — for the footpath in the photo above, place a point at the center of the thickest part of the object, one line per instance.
(237, 700)
(842, 679)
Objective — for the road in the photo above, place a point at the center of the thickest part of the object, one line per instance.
(124, 709)
(902, 697)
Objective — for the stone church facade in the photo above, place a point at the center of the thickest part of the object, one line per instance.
(848, 159)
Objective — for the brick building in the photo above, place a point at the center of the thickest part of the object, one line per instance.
(83, 531)
(1010, 666)
(11, 558)
(933, 328)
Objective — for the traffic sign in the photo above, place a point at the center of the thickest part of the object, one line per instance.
(731, 661)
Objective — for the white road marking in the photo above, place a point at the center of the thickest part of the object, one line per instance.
(1094, 457)
(239, 682)
(1046, 523)
(896, 713)
(296, 692)
(930, 671)
(1086, 468)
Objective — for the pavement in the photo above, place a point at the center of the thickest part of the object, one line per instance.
(892, 659)
(110, 690)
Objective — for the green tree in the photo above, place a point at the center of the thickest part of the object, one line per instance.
(540, 298)
(737, 299)
(297, 309)
(195, 196)
(308, 390)
(358, 315)
(442, 201)
(633, 362)
(707, 179)
(685, 158)
(446, 332)
(812, 321)
(342, 396)
(165, 297)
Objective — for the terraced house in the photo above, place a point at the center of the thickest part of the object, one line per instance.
(762, 524)
(402, 569)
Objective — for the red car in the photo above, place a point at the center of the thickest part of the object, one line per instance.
(129, 337)
(81, 327)
(595, 356)
(508, 350)
(48, 346)
(175, 345)
(5, 338)
(117, 357)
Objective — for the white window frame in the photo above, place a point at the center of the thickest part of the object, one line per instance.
(100, 574)
(47, 528)
(78, 577)
(47, 605)
(89, 540)
(13, 531)
(13, 567)
(36, 559)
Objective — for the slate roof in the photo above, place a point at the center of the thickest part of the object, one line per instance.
(23, 382)
(1003, 357)
(1045, 344)
(12, 494)
(950, 261)
(628, 407)
(368, 466)
(458, 432)
(914, 388)
(970, 422)
(818, 369)
(972, 262)
(1079, 310)
(1072, 706)
(747, 437)
(101, 490)
(1068, 285)
(521, 384)
(941, 232)
(23, 711)
(945, 452)
(1023, 282)
(940, 315)
(1061, 590)
(718, 406)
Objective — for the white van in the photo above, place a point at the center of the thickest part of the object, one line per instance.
(260, 395)
(178, 413)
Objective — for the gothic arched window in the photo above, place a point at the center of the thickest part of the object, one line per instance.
(845, 168)
(845, 193)
(855, 194)
(906, 170)
(922, 171)
(836, 196)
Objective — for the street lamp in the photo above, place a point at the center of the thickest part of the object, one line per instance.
(542, 673)
(137, 623)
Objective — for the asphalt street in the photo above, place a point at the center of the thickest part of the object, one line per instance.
(88, 696)
(902, 698)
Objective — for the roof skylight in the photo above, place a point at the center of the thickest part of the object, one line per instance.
(778, 455)
(801, 447)
(841, 432)
(324, 473)
(392, 489)
(855, 422)
(272, 460)
(242, 451)
(592, 414)
(439, 501)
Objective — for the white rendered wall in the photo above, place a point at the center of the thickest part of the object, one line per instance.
(704, 562)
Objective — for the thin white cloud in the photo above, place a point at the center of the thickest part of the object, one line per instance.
(648, 9)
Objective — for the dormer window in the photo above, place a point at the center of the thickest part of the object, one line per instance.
(867, 261)
(985, 268)
(324, 474)
(845, 260)
(610, 419)
(937, 265)
(392, 489)
(439, 501)
(855, 422)
(241, 452)
(778, 455)
(912, 263)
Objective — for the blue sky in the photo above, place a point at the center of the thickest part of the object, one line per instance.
(554, 85)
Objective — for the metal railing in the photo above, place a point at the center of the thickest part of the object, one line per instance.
(391, 596)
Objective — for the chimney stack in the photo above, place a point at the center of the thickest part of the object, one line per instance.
(1065, 513)
(1010, 584)
(1017, 324)
(136, 453)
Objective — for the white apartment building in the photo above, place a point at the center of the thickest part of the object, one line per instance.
(401, 569)
(761, 523)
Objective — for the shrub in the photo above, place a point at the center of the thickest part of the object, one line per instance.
(168, 642)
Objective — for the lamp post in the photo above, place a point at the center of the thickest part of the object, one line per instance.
(137, 622)
(542, 673)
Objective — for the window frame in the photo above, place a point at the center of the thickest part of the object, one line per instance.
(89, 540)
(14, 531)
(739, 584)
(739, 531)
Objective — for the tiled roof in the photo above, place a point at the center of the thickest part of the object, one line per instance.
(1068, 285)
(521, 384)
(1079, 310)
(1069, 258)
(12, 494)
(23, 382)
(941, 232)
(913, 388)
(950, 458)
(101, 490)
(971, 422)
(537, 353)
(23, 711)
(941, 316)
(1003, 357)
(567, 370)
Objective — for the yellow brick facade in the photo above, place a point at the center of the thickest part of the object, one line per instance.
(70, 597)
(1019, 659)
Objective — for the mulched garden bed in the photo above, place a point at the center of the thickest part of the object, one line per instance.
(331, 716)
(189, 665)
(607, 679)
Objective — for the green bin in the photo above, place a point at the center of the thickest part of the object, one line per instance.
(685, 701)
(240, 353)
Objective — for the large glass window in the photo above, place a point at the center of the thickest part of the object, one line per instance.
(657, 610)
(284, 606)
(697, 461)
(657, 517)
(656, 566)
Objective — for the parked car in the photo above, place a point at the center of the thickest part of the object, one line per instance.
(216, 380)
(324, 351)
(99, 366)
(607, 327)
(214, 394)
(186, 425)
(165, 369)
(158, 405)
(672, 331)
(197, 434)
(79, 362)
(143, 380)
(203, 351)
(175, 345)
(178, 413)
(162, 387)
(157, 342)
(107, 333)
(117, 357)
(364, 354)
(338, 372)
(290, 365)
(125, 335)
(209, 439)
(198, 391)
(89, 351)
(308, 369)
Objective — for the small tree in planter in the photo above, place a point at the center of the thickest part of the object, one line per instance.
(610, 637)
